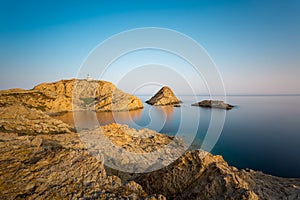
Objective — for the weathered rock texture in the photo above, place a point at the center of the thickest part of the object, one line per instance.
(20, 119)
(58, 97)
(57, 167)
(213, 104)
(130, 150)
(195, 176)
(165, 96)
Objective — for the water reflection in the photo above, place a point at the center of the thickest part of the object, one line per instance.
(257, 134)
(166, 111)
(90, 119)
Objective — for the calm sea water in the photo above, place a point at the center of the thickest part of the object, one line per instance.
(261, 133)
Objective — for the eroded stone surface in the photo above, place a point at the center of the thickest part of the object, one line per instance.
(70, 95)
(57, 167)
(165, 96)
(195, 176)
(20, 119)
(126, 149)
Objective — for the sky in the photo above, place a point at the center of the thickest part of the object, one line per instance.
(254, 44)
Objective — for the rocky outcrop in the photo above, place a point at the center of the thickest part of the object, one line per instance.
(214, 104)
(22, 120)
(70, 95)
(198, 175)
(165, 96)
(137, 141)
(130, 150)
(58, 167)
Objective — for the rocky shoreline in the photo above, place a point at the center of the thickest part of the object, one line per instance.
(61, 166)
(43, 158)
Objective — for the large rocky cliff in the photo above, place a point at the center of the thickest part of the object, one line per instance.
(70, 95)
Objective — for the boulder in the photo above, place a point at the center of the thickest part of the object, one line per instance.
(165, 96)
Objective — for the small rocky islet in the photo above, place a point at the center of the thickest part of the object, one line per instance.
(43, 158)
(165, 96)
(214, 104)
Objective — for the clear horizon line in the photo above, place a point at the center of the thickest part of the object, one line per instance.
(290, 94)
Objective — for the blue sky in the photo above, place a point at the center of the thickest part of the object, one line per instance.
(255, 44)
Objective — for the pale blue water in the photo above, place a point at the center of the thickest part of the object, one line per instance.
(261, 133)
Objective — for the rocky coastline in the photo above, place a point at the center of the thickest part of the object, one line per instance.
(44, 158)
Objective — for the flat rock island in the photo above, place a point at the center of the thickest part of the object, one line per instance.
(213, 104)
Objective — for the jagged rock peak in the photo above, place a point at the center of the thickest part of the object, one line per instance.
(165, 96)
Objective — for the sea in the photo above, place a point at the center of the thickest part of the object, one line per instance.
(262, 132)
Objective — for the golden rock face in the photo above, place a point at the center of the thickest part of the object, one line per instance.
(71, 95)
(165, 96)
(28, 121)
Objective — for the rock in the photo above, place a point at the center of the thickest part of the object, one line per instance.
(164, 96)
(57, 168)
(20, 119)
(132, 150)
(214, 104)
(196, 176)
(71, 95)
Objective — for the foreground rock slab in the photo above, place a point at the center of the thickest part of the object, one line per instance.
(23, 120)
(214, 104)
(58, 167)
(165, 96)
(130, 150)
